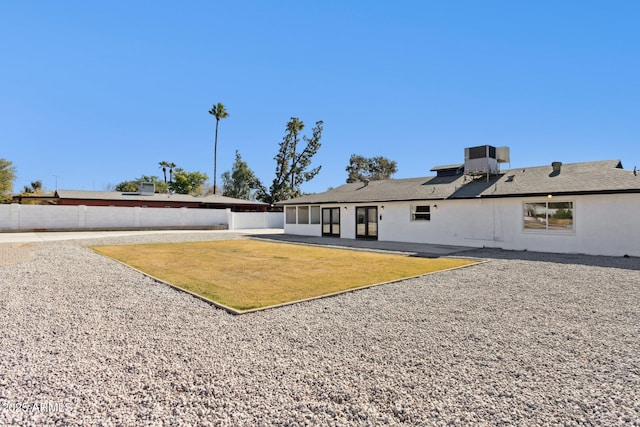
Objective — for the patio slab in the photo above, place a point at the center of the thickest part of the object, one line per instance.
(415, 249)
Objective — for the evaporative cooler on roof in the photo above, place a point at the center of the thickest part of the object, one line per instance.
(480, 161)
(484, 160)
(147, 188)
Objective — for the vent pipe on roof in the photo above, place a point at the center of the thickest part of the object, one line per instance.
(556, 166)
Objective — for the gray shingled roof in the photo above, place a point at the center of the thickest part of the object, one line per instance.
(156, 197)
(574, 178)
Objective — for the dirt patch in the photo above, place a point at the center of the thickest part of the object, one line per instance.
(15, 253)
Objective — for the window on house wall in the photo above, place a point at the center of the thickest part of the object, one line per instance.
(548, 216)
(290, 214)
(303, 214)
(315, 214)
(421, 213)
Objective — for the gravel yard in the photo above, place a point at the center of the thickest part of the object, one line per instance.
(525, 339)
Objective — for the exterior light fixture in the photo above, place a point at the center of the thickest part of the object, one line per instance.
(549, 196)
(382, 207)
(345, 208)
(435, 207)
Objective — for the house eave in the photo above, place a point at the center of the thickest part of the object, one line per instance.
(561, 193)
(484, 196)
(338, 202)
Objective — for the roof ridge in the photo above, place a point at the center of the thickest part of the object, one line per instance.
(593, 162)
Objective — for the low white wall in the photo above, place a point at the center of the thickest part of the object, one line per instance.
(28, 217)
(16, 217)
(246, 220)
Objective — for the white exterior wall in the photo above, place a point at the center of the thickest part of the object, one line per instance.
(610, 224)
(460, 222)
(303, 229)
(603, 224)
(347, 223)
(348, 220)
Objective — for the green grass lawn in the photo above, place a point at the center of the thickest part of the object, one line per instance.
(250, 274)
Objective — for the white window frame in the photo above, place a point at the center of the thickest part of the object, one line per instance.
(295, 214)
(290, 215)
(545, 221)
(315, 214)
(303, 214)
(414, 212)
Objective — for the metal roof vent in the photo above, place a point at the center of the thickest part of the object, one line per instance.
(556, 166)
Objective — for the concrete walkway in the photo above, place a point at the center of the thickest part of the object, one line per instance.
(415, 249)
(50, 236)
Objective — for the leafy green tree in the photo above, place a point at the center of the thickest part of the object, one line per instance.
(364, 169)
(294, 127)
(240, 182)
(134, 185)
(291, 164)
(7, 176)
(563, 214)
(219, 112)
(187, 182)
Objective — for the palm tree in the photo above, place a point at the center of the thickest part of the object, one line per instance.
(171, 166)
(163, 166)
(219, 112)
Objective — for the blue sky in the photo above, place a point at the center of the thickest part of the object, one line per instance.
(98, 92)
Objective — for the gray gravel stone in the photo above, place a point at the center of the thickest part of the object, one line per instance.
(525, 339)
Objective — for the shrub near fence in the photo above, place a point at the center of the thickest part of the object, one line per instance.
(39, 217)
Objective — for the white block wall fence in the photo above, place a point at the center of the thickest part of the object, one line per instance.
(41, 217)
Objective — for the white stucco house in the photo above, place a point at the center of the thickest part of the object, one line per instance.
(590, 208)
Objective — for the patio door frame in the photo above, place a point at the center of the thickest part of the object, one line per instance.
(331, 220)
(367, 222)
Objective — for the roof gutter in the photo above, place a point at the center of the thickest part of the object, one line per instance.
(562, 193)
